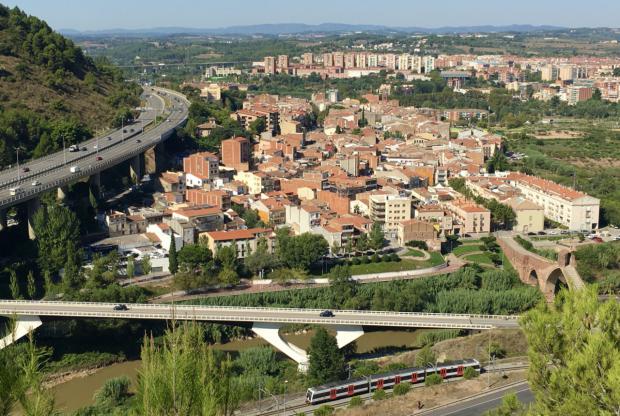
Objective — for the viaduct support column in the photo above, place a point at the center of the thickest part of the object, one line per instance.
(95, 180)
(135, 168)
(3, 224)
(153, 159)
(22, 326)
(33, 206)
(61, 193)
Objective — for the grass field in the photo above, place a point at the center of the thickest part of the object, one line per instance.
(412, 252)
(371, 268)
(482, 258)
(465, 249)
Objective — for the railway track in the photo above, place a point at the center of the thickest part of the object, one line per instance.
(307, 409)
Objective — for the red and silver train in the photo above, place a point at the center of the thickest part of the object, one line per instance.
(416, 375)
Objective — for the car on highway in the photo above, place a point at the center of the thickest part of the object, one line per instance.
(95, 147)
(109, 138)
(36, 183)
(84, 149)
(74, 169)
(15, 190)
(138, 141)
(26, 169)
(121, 307)
(99, 158)
(124, 130)
(131, 130)
(326, 314)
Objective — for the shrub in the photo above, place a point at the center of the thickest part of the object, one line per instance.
(355, 261)
(386, 258)
(433, 379)
(379, 394)
(496, 350)
(417, 244)
(470, 373)
(365, 260)
(402, 389)
(375, 258)
(356, 401)
(113, 391)
(324, 410)
(395, 257)
(431, 337)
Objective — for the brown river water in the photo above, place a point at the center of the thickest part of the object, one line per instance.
(78, 392)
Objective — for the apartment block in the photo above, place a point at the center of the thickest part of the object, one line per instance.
(574, 209)
(472, 217)
(245, 241)
(389, 211)
(236, 153)
(199, 168)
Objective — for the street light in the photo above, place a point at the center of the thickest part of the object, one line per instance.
(64, 153)
(17, 151)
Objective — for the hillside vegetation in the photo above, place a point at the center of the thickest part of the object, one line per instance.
(49, 89)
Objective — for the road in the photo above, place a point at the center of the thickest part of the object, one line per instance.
(51, 171)
(476, 406)
(272, 315)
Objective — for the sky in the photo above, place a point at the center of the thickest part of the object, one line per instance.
(136, 14)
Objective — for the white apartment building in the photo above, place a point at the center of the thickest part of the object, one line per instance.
(389, 211)
(574, 209)
(302, 219)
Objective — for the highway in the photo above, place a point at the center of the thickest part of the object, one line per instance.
(51, 171)
(250, 315)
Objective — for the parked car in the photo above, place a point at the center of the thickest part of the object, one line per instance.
(326, 314)
(121, 307)
(25, 169)
(542, 233)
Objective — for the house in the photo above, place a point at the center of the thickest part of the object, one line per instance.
(418, 230)
(245, 241)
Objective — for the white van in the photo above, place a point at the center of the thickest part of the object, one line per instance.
(15, 190)
(74, 169)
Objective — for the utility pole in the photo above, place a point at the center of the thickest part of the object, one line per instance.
(17, 151)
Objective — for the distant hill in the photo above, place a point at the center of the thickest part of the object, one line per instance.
(300, 28)
(50, 89)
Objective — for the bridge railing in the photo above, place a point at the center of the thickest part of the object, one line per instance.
(185, 308)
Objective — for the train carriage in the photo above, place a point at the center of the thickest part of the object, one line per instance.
(416, 375)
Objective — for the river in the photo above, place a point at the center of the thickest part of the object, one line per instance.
(78, 392)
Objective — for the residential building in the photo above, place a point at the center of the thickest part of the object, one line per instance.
(257, 182)
(245, 241)
(473, 218)
(302, 218)
(199, 168)
(529, 216)
(576, 210)
(389, 211)
(236, 153)
(417, 230)
(270, 65)
(216, 198)
(119, 223)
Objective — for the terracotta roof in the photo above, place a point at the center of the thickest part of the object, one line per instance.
(237, 234)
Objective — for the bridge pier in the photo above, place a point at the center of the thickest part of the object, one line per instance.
(270, 332)
(61, 193)
(3, 223)
(33, 206)
(95, 180)
(135, 168)
(23, 325)
(153, 159)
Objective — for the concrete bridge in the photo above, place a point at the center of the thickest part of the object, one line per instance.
(539, 271)
(266, 322)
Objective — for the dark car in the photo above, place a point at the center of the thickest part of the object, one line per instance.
(531, 233)
(25, 169)
(138, 141)
(131, 130)
(124, 130)
(121, 307)
(99, 158)
(109, 138)
(542, 233)
(326, 314)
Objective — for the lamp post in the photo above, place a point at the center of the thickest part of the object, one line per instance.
(17, 151)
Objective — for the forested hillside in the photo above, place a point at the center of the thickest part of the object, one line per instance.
(49, 89)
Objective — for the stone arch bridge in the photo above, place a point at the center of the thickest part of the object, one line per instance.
(535, 270)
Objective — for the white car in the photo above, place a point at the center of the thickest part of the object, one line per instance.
(35, 183)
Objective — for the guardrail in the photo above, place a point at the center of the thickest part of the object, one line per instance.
(196, 308)
(244, 318)
(97, 167)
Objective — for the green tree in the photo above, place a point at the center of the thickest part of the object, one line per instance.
(433, 379)
(261, 259)
(425, 357)
(173, 262)
(145, 264)
(470, 373)
(194, 257)
(302, 251)
(72, 276)
(182, 376)
(574, 354)
(362, 242)
(376, 236)
(113, 392)
(131, 267)
(258, 126)
(226, 257)
(32, 288)
(343, 287)
(228, 277)
(326, 359)
(14, 285)
(56, 227)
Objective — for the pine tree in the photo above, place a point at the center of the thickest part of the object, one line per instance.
(145, 263)
(32, 288)
(14, 286)
(131, 268)
(173, 262)
(327, 361)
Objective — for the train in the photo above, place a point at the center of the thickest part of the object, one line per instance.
(414, 375)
